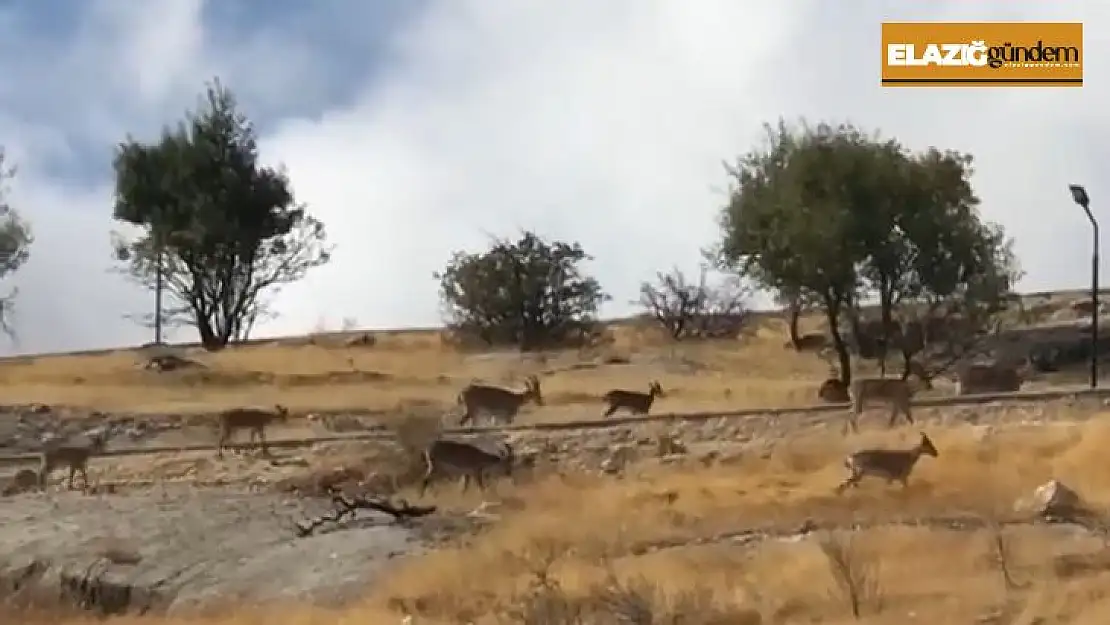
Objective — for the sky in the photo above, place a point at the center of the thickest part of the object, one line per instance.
(416, 128)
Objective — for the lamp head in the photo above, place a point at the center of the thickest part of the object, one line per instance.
(1079, 194)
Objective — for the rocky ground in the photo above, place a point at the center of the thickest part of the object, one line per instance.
(184, 549)
(189, 531)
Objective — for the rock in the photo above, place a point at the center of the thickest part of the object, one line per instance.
(612, 465)
(23, 481)
(670, 445)
(710, 458)
(486, 510)
(1053, 498)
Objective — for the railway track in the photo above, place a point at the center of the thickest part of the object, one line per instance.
(382, 433)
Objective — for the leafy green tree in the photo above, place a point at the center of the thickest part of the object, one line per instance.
(788, 223)
(220, 231)
(15, 246)
(531, 293)
(843, 217)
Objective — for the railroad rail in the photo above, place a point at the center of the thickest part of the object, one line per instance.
(383, 433)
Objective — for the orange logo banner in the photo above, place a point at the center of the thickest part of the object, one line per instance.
(982, 54)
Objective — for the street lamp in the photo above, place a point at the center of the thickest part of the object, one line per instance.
(1079, 194)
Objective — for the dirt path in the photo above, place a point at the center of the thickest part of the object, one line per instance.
(195, 549)
(22, 432)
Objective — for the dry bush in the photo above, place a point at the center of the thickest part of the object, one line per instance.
(696, 311)
(855, 575)
(1001, 550)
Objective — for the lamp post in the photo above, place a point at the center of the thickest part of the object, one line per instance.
(1079, 194)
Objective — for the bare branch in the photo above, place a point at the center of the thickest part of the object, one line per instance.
(696, 311)
(345, 507)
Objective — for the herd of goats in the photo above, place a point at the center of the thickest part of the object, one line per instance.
(454, 458)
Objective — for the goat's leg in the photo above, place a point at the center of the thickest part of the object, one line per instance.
(853, 422)
(224, 437)
(468, 417)
(853, 481)
(427, 479)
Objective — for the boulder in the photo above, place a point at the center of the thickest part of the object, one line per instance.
(1054, 499)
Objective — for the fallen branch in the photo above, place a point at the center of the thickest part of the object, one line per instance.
(346, 506)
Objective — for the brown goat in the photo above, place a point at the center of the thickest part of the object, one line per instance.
(444, 457)
(897, 392)
(500, 403)
(74, 455)
(812, 342)
(253, 419)
(632, 401)
(889, 464)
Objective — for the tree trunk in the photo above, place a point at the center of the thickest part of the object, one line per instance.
(832, 313)
(856, 327)
(795, 316)
(886, 319)
(208, 338)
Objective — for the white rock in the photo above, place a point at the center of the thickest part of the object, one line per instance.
(1052, 497)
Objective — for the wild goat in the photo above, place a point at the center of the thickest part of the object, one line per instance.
(897, 392)
(632, 401)
(500, 403)
(993, 377)
(888, 464)
(808, 342)
(447, 457)
(834, 391)
(74, 455)
(253, 419)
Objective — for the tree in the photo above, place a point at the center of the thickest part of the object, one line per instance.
(15, 246)
(222, 231)
(695, 311)
(843, 216)
(788, 225)
(530, 293)
(944, 274)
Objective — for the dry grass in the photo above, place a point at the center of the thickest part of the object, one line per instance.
(611, 526)
(587, 549)
(400, 370)
(405, 370)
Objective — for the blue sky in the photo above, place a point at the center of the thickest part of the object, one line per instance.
(413, 128)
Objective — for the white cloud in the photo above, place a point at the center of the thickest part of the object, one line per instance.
(601, 122)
